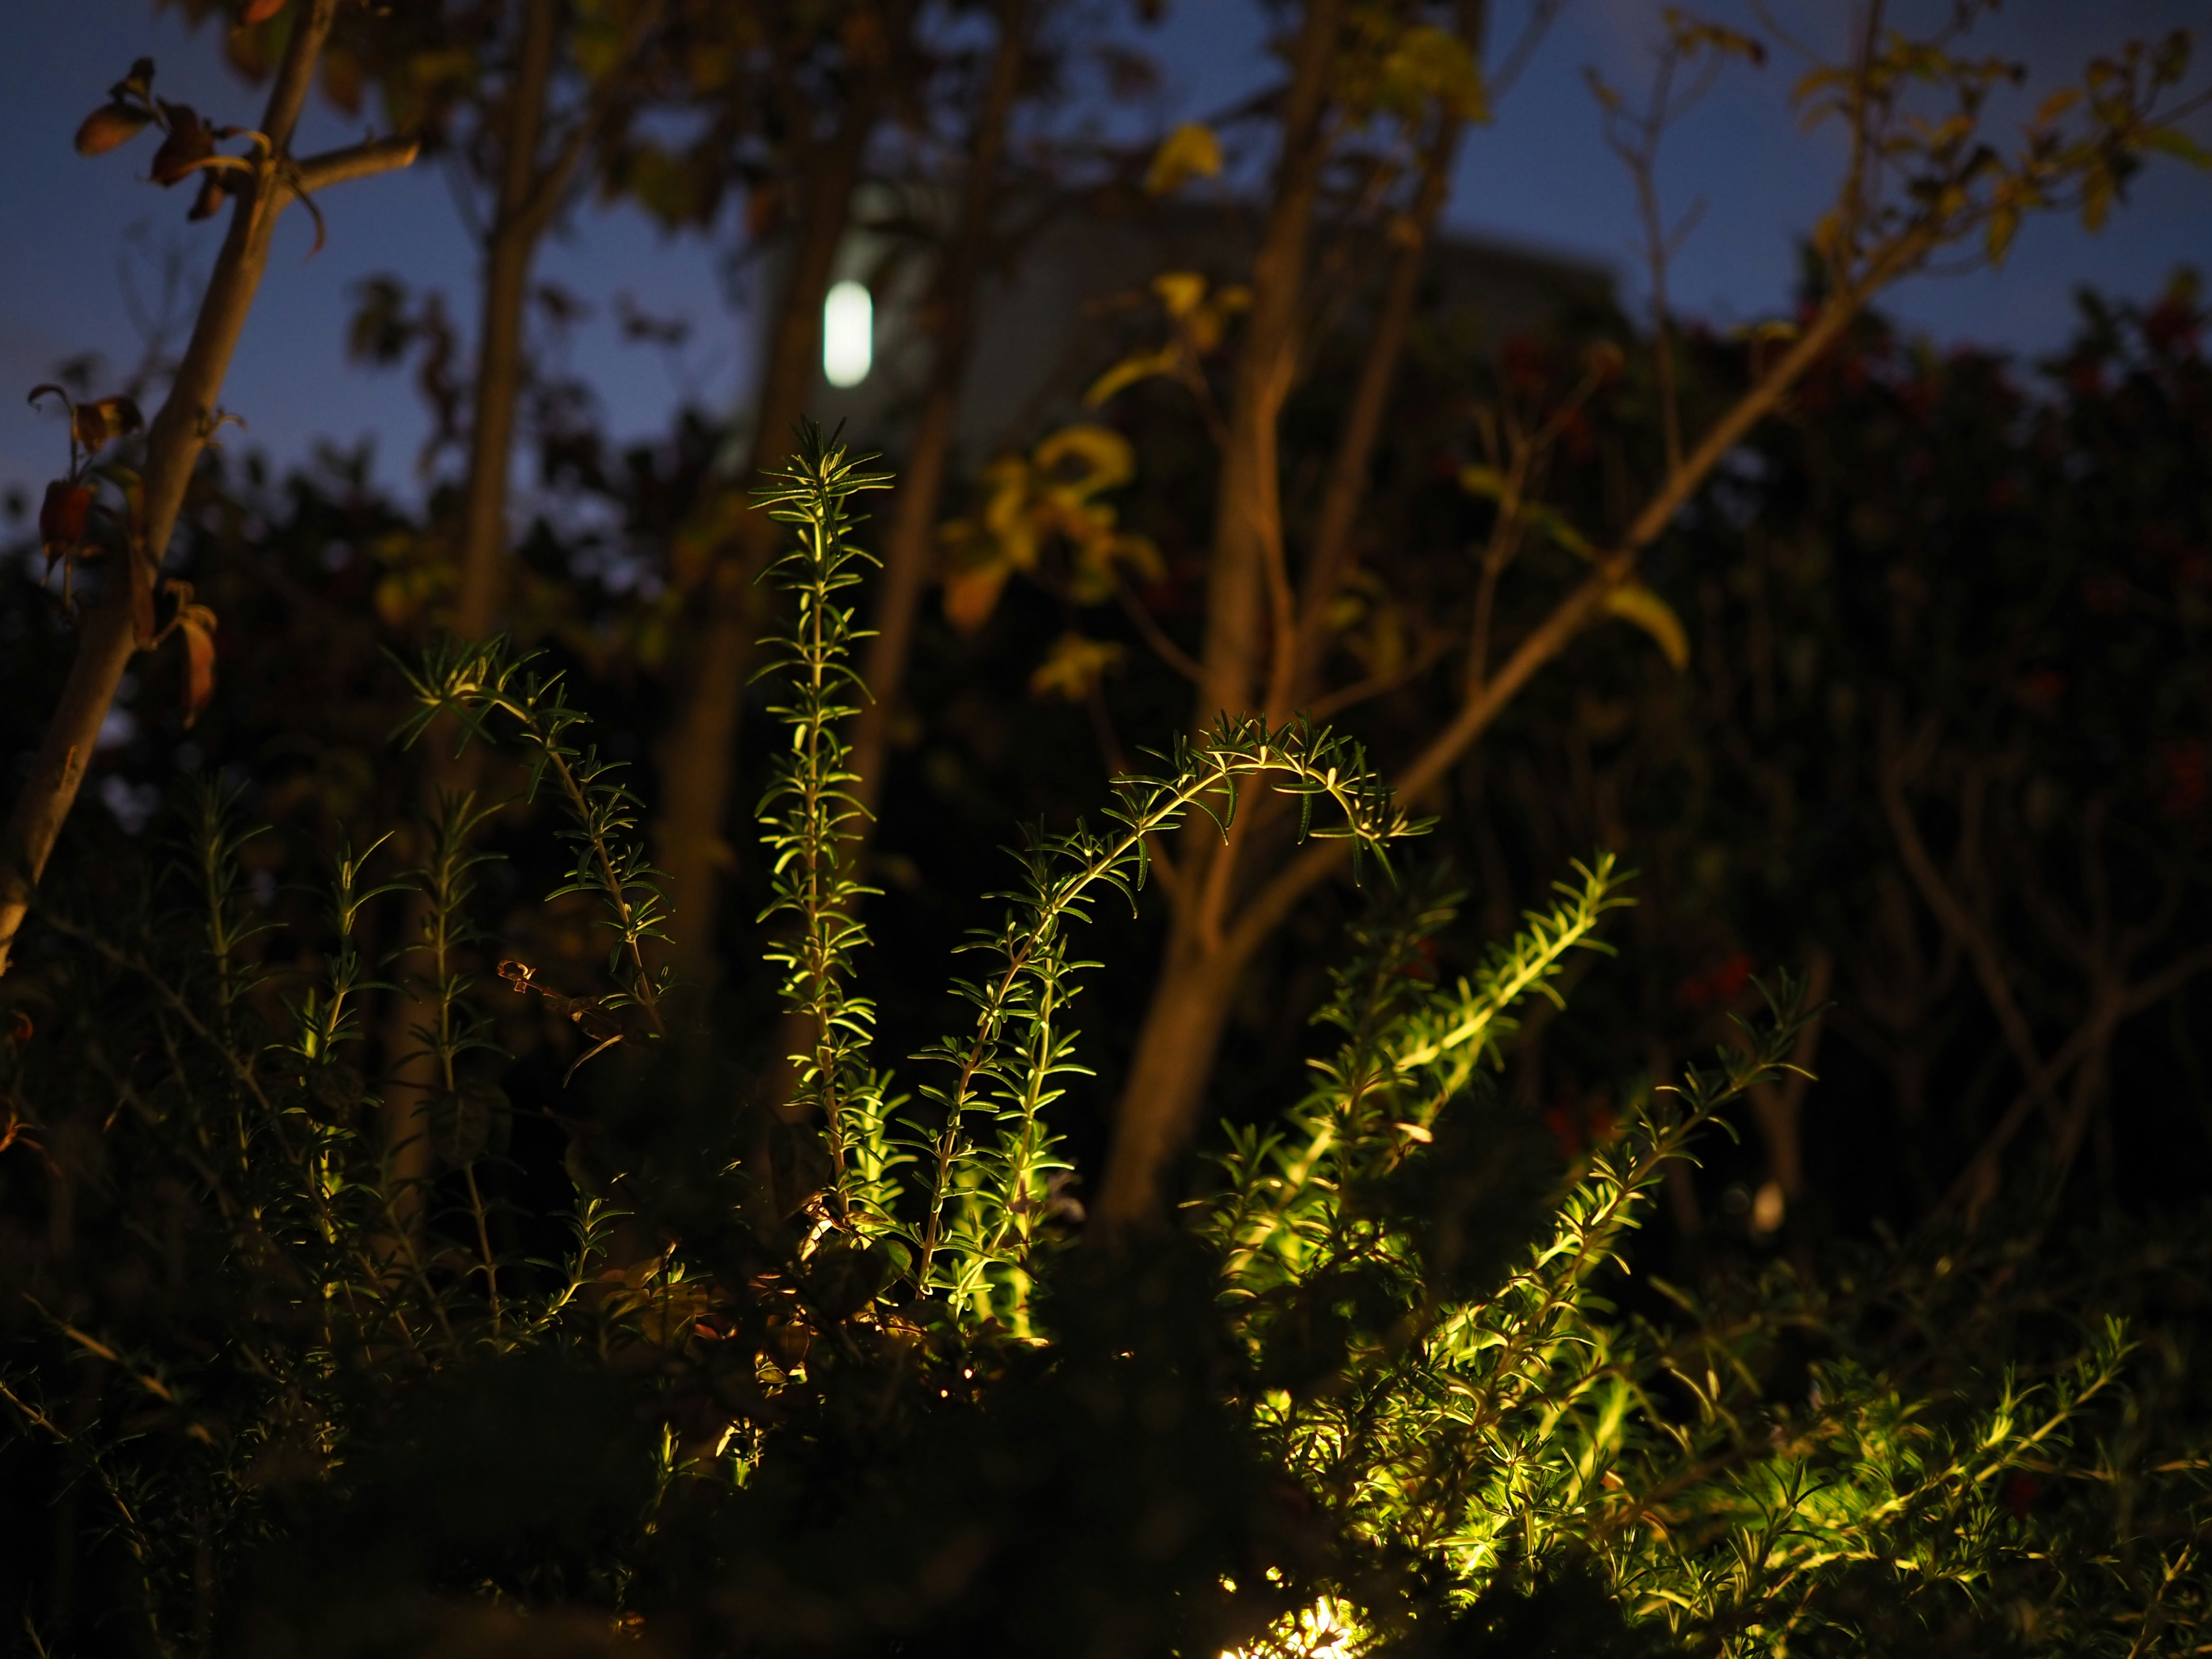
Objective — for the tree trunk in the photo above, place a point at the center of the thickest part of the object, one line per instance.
(517, 226)
(1164, 1091)
(1247, 558)
(1246, 611)
(1352, 466)
(110, 637)
(920, 489)
(699, 761)
(519, 221)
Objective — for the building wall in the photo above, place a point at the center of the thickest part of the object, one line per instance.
(1076, 296)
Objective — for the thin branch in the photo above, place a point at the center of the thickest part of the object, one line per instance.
(1972, 937)
(362, 160)
(1156, 637)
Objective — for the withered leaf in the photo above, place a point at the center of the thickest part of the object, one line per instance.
(63, 516)
(260, 11)
(209, 200)
(109, 126)
(197, 624)
(138, 85)
(102, 422)
(189, 142)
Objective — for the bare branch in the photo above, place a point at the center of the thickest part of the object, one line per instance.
(361, 160)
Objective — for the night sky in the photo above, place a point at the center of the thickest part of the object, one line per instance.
(1539, 175)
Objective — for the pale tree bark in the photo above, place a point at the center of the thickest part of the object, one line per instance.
(698, 762)
(519, 219)
(110, 636)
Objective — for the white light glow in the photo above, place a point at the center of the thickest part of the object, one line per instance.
(849, 334)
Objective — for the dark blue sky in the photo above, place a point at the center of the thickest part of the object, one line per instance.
(1539, 174)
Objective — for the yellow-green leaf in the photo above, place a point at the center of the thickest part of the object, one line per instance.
(1190, 151)
(1139, 365)
(1086, 458)
(2172, 140)
(1547, 522)
(1073, 666)
(1635, 603)
(1484, 480)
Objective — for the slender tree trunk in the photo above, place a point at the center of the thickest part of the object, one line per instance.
(1172, 1064)
(110, 636)
(519, 221)
(699, 761)
(908, 547)
(1350, 469)
(1247, 530)
(518, 225)
(1247, 613)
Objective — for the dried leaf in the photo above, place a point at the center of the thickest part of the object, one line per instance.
(972, 593)
(1190, 151)
(197, 624)
(101, 422)
(209, 200)
(62, 517)
(138, 85)
(343, 81)
(108, 126)
(1635, 603)
(260, 11)
(190, 142)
